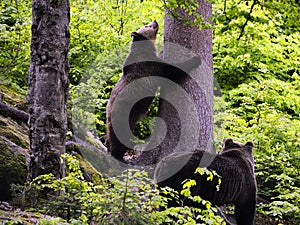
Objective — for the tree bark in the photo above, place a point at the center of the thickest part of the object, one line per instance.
(187, 131)
(48, 86)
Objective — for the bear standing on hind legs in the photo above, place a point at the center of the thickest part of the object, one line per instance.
(235, 165)
(134, 92)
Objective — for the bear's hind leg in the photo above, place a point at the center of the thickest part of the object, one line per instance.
(245, 209)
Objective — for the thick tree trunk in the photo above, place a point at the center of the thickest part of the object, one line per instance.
(193, 128)
(48, 86)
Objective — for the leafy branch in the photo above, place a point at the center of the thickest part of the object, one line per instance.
(186, 12)
(247, 19)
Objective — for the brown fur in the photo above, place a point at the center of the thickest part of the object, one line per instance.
(235, 165)
(142, 62)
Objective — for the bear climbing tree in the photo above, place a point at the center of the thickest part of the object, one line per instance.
(187, 120)
(143, 73)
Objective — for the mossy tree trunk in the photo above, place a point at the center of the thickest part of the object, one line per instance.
(185, 131)
(48, 86)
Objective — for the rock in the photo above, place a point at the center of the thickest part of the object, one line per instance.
(13, 167)
(14, 142)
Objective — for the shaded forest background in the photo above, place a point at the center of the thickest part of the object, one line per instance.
(256, 55)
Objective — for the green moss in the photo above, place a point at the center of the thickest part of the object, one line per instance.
(88, 168)
(14, 141)
(13, 137)
(13, 169)
(16, 133)
(13, 165)
(12, 96)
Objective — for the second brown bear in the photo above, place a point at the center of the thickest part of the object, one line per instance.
(235, 165)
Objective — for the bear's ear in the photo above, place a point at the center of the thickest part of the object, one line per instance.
(227, 142)
(136, 36)
(249, 146)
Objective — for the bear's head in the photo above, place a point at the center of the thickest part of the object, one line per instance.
(147, 32)
(143, 46)
(237, 149)
(229, 144)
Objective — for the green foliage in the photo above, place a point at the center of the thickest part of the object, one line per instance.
(249, 100)
(20, 217)
(267, 112)
(186, 12)
(146, 125)
(210, 175)
(281, 208)
(256, 62)
(252, 46)
(206, 214)
(14, 41)
(130, 198)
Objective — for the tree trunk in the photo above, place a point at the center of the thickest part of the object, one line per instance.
(194, 127)
(48, 86)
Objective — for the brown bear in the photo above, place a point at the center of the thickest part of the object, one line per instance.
(134, 92)
(234, 164)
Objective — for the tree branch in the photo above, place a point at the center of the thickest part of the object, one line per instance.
(247, 19)
(225, 8)
(15, 114)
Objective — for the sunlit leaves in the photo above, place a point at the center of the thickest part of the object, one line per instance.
(187, 12)
(15, 38)
(271, 48)
(198, 209)
(129, 198)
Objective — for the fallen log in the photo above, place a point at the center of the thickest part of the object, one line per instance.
(13, 113)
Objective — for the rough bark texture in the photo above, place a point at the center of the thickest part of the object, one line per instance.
(185, 132)
(48, 86)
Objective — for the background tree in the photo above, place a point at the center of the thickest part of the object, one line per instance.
(48, 86)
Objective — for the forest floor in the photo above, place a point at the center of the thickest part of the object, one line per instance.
(8, 217)
(17, 216)
(260, 219)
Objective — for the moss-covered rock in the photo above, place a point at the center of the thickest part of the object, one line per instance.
(13, 96)
(14, 145)
(14, 142)
(13, 166)
(94, 165)
(15, 132)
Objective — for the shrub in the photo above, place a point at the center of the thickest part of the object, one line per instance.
(129, 198)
